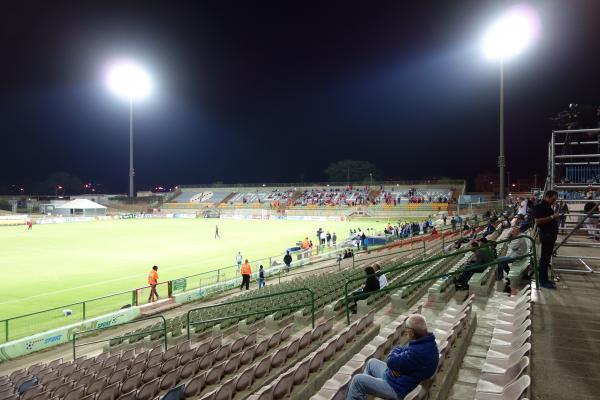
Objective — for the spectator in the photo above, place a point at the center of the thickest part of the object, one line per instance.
(246, 270)
(261, 277)
(479, 258)
(563, 210)
(152, 282)
(334, 238)
(323, 237)
(404, 368)
(522, 207)
(328, 237)
(238, 261)
(383, 282)
(453, 223)
(287, 260)
(547, 221)
(371, 284)
(516, 248)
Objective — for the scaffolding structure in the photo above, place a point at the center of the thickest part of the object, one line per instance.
(574, 172)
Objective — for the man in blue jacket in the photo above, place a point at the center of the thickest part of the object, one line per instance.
(405, 368)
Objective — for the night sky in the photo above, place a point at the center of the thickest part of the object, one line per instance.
(253, 91)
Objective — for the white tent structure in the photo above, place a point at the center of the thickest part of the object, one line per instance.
(83, 207)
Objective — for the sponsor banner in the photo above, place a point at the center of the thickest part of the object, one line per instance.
(15, 217)
(40, 341)
(188, 216)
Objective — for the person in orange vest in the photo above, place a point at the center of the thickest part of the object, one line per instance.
(152, 282)
(246, 271)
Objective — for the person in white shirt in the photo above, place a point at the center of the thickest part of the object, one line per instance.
(383, 282)
(516, 248)
(523, 207)
(238, 260)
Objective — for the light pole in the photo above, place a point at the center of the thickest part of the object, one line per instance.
(130, 81)
(509, 36)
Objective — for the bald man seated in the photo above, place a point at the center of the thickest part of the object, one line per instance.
(404, 369)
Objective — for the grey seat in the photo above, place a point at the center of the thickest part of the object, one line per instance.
(148, 390)
(109, 392)
(223, 352)
(62, 390)
(151, 373)
(155, 351)
(261, 348)
(238, 345)
(96, 386)
(292, 348)
(195, 385)
(283, 386)
(207, 360)
(278, 358)
(215, 374)
(170, 353)
(76, 393)
(170, 364)
(250, 339)
(202, 348)
(305, 340)
(248, 355)
(188, 370)
(170, 379)
(137, 367)
(274, 340)
(286, 332)
(316, 360)
(232, 364)
(226, 390)
(183, 347)
(262, 368)
(131, 383)
(301, 372)
(117, 376)
(216, 342)
(244, 380)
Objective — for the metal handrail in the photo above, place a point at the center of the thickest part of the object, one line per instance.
(164, 330)
(312, 304)
(532, 254)
(82, 303)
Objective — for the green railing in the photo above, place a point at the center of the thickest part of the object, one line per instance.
(51, 318)
(532, 255)
(267, 311)
(163, 329)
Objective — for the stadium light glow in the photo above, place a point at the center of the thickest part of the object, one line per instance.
(507, 37)
(129, 80)
(512, 33)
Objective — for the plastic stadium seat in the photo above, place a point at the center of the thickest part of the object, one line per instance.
(215, 374)
(495, 383)
(282, 386)
(137, 367)
(250, 339)
(170, 364)
(223, 352)
(188, 370)
(501, 365)
(262, 347)
(216, 342)
(109, 392)
(96, 386)
(209, 395)
(510, 335)
(207, 360)
(248, 355)
(62, 390)
(118, 376)
(232, 364)
(304, 340)
(183, 347)
(131, 383)
(237, 345)
(507, 359)
(169, 379)
(156, 351)
(32, 391)
(112, 360)
(316, 360)
(510, 392)
(186, 357)
(151, 373)
(202, 348)
(418, 393)
(262, 368)
(244, 380)
(147, 391)
(504, 347)
(42, 396)
(128, 396)
(226, 390)
(317, 332)
(274, 340)
(75, 394)
(286, 332)
(195, 385)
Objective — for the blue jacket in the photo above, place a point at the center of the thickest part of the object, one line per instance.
(409, 365)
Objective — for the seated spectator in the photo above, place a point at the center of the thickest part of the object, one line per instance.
(383, 282)
(404, 369)
(516, 248)
(480, 257)
(371, 285)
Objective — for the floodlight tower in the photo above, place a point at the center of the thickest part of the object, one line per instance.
(129, 81)
(506, 38)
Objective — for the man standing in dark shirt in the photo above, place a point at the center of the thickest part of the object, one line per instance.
(547, 221)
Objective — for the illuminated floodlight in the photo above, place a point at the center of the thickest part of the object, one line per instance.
(129, 80)
(512, 33)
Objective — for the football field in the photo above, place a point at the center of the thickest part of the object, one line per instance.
(58, 264)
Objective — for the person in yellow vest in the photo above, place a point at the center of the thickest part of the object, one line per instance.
(152, 282)
(246, 271)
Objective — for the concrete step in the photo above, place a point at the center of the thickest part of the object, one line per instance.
(158, 307)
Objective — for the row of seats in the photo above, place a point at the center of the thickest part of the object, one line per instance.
(503, 376)
(448, 327)
(283, 386)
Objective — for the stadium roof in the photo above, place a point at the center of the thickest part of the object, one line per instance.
(81, 204)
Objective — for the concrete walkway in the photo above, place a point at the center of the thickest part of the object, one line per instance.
(566, 337)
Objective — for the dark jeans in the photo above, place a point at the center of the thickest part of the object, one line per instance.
(245, 281)
(545, 256)
(153, 293)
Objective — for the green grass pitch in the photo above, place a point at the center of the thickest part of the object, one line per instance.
(57, 264)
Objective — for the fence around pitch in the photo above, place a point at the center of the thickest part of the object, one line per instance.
(267, 311)
(51, 318)
(40, 321)
(532, 254)
(88, 331)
